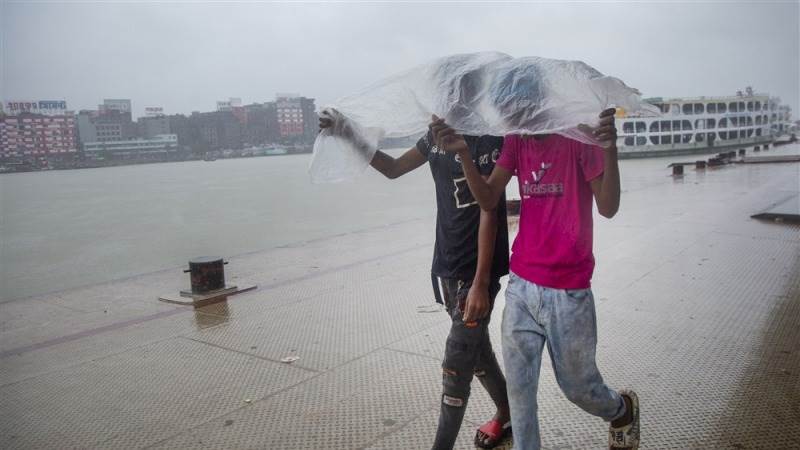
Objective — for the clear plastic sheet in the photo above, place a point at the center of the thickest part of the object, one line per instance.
(477, 93)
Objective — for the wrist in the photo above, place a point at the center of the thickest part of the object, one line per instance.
(481, 281)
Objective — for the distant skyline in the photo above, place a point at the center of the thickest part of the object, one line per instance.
(185, 56)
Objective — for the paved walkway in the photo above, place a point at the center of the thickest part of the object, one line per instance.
(698, 309)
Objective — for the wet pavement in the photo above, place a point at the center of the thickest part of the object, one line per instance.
(698, 310)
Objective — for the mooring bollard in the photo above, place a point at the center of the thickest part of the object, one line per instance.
(207, 273)
(677, 169)
(700, 165)
(207, 280)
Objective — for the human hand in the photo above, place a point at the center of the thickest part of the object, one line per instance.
(336, 123)
(477, 305)
(605, 132)
(446, 138)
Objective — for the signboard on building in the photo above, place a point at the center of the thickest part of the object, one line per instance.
(46, 107)
(153, 111)
(116, 104)
(227, 105)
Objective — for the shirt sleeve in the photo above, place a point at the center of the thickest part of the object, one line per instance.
(591, 160)
(509, 154)
(424, 144)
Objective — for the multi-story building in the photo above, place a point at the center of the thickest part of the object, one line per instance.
(296, 117)
(29, 136)
(234, 106)
(111, 122)
(310, 119)
(87, 131)
(159, 147)
(261, 124)
(207, 131)
(152, 126)
(187, 131)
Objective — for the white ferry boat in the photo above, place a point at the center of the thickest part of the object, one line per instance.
(703, 125)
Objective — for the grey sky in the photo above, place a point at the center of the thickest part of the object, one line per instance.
(185, 56)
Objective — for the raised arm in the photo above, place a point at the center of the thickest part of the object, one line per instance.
(389, 166)
(486, 192)
(394, 167)
(606, 188)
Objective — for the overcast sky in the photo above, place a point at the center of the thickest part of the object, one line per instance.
(185, 56)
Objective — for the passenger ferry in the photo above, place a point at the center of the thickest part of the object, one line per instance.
(703, 125)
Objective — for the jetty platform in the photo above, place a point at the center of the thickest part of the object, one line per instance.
(698, 309)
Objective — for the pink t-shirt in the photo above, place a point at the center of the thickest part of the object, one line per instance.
(554, 245)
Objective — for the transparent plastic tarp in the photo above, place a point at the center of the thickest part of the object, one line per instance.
(477, 94)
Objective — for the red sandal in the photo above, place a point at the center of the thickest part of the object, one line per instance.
(492, 433)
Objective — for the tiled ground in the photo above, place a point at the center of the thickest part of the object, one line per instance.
(698, 309)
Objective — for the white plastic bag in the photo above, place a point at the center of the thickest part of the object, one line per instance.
(477, 94)
(342, 151)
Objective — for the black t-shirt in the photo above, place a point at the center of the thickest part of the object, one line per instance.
(458, 214)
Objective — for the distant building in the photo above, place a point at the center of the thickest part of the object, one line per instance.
(234, 106)
(220, 130)
(261, 124)
(28, 135)
(187, 131)
(203, 132)
(111, 122)
(150, 127)
(87, 131)
(297, 119)
(310, 119)
(158, 147)
(114, 125)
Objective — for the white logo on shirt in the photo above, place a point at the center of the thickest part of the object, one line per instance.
(538, 175)
(462, 194)
(539, 189)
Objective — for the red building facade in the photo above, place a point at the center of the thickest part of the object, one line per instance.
(34, 135)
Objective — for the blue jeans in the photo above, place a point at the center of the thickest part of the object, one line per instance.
(565, 321)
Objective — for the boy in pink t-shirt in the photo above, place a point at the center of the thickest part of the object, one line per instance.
(548, 298)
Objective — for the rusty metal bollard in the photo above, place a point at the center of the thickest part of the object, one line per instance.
(207, 274)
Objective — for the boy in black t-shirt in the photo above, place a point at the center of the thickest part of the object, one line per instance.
(470, 256)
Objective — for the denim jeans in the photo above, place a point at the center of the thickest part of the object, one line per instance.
(468, 351)
(565, 321)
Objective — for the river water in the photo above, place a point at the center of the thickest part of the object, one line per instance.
(63, 229)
